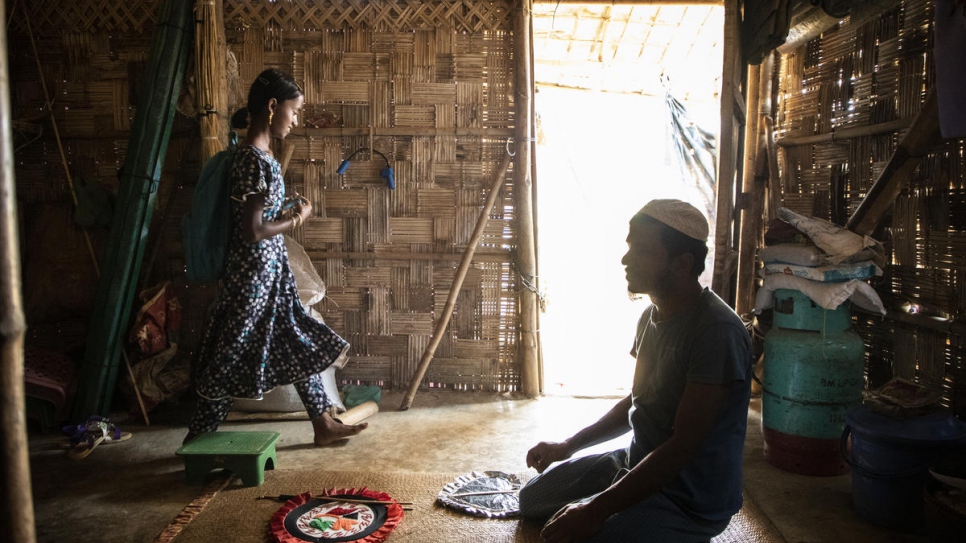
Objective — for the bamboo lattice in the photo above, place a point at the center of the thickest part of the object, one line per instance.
(427, 83)
(862, 75)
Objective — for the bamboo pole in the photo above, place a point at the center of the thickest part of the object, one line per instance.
(502, 258)
(454, 291)
(644, 2)
(526, 261)
(732, 109)
(922, 135)
(135, 203)
(846, 133)
(536, 218)
(73, 194)
(745, 287)
(756, 177)
(388, 131)
(48, 103)
(16, 496)
(211, 76)
(773, 200)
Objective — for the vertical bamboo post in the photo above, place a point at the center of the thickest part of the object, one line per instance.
(767, 174)
(758, 175)
(454, 290)
(732, 109)
(536, 218)
(744, 291)
(211, 76)
(16, 501)
(526, 257)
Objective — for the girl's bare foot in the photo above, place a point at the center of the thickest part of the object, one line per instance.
(329, 430)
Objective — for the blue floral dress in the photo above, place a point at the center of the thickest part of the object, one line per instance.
(258, 335)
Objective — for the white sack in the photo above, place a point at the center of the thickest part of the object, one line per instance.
(837, 242)
(310, 285)
(827, 295)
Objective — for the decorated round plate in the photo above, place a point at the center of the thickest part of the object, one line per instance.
(484, 494)
(337, 515)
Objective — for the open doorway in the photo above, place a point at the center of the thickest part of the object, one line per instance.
(604, 149)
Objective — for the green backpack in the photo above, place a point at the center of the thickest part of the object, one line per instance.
(205, 229)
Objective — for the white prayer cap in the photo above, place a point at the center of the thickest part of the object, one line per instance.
(681, 216)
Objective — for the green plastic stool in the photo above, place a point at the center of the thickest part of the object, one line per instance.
(246, 454)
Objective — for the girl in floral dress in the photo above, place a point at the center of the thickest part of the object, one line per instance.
(258, 335)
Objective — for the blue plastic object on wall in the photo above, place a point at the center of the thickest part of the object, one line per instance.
(385, 173)
(390, 178)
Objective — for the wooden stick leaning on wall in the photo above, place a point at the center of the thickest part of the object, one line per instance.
(454, 291)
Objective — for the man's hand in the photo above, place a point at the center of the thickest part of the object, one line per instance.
(545, 453)
(573, 523)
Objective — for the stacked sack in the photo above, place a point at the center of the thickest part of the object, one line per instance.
(827, 263)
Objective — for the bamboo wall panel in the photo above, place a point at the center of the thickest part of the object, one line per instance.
(862, 75)
(428, 84)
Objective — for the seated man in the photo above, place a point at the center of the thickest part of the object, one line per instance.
(680, 478)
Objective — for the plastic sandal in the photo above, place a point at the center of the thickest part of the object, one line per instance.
(86, 437)
(84, 448)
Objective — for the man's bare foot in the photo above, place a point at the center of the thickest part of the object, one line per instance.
(329, 430)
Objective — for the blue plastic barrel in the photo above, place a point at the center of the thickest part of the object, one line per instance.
(890, 459)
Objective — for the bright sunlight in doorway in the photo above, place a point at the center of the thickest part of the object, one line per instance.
(604, 148)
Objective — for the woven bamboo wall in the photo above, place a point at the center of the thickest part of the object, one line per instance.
(865, 74)
(428, 84)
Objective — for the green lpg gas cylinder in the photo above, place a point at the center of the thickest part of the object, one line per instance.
(813, 372)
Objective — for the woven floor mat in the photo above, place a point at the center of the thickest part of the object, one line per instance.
(236, 514)
(750, 525)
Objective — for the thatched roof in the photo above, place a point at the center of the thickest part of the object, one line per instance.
(628, 47)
